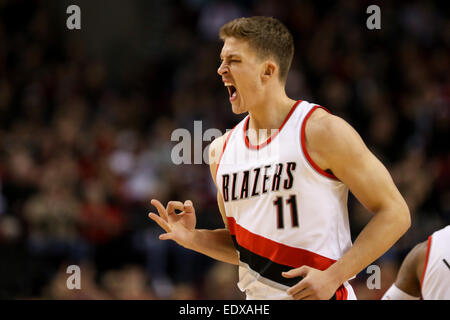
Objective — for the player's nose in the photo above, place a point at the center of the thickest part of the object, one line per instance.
(221, 70)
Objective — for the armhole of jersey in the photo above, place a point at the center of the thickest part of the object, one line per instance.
(305, 151)
(223, 151)
(426, 262)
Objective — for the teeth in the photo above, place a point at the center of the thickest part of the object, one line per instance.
(234, 94)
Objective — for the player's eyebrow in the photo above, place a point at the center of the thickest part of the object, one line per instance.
(230, 56)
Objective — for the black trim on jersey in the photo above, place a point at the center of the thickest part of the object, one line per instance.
(446, 263)
(266, 267)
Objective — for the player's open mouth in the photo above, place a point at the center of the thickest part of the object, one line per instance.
(232, 92)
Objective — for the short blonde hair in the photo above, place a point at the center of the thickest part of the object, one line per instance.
(267, 35)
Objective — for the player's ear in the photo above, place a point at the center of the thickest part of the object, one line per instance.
(269, 70)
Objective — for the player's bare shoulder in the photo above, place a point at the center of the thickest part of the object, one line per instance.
(329, 137)
(215, 151)
(324, 128)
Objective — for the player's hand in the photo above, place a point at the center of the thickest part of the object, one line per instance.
(315, 285)
(179, 227)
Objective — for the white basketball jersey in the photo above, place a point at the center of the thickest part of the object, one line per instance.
(283, 211)
(435, 282)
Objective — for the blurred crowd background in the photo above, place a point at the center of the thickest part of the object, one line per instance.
(86, 118)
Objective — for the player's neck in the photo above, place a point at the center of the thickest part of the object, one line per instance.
(271, 112)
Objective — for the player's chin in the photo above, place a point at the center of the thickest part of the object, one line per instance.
(237, 109)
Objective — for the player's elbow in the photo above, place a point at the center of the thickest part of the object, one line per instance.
(403, 216)
(396, 211)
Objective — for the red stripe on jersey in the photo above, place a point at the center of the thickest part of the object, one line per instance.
(257, 147)
(342, 293)
(426, 262)
(305, 151)
(277, 252)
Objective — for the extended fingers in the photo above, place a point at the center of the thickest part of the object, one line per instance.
(160, 221)
(161, 210)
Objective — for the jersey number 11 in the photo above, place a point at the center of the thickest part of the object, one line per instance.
(292, 203)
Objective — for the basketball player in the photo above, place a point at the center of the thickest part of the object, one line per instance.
(425, 272)
(285, 214)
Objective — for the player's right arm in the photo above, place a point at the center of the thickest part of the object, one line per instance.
(407, 283)
(180, 228)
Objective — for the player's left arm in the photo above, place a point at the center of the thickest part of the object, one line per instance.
(335, 145)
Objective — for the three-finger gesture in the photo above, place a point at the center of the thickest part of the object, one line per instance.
(179, 227)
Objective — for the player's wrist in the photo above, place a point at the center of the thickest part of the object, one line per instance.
(190, 239)
(335, 275)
